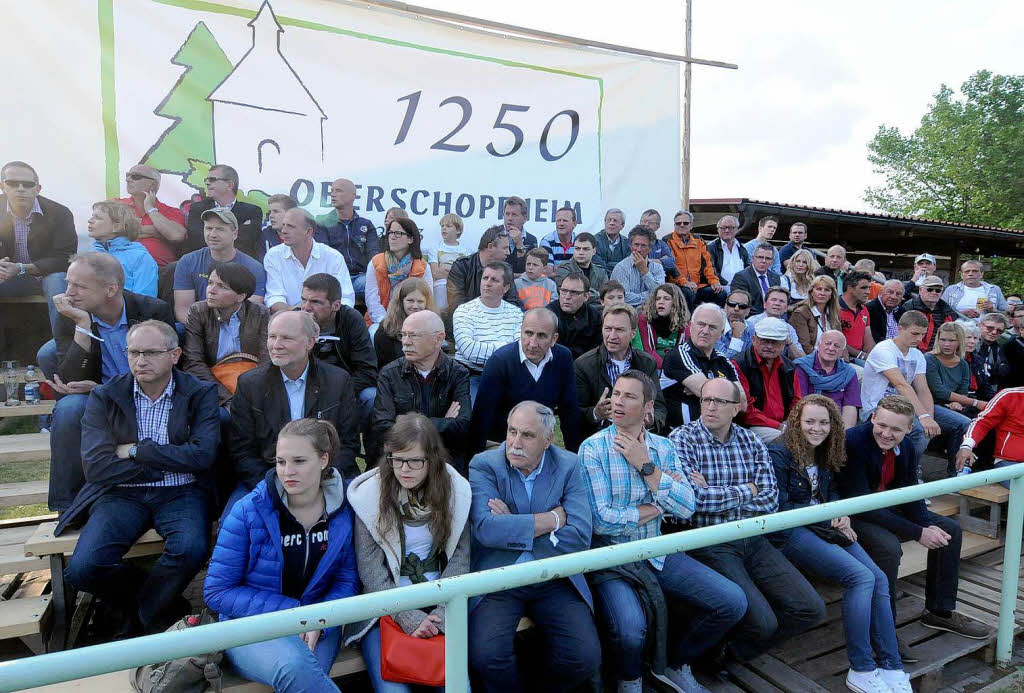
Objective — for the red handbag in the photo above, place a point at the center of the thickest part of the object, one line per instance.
(405, 659)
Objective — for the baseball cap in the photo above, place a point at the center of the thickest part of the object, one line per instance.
(772, 328)
(925, 256)
(224, 215)
(932, 280)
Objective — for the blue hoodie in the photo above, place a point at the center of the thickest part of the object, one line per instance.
(140, 271)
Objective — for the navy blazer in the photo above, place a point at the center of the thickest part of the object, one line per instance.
(193, 434)
(746, 279)
(863, 472)
(499, 540)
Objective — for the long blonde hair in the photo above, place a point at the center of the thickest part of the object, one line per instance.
(832, 307)
(961, 338)
(802, 282)
(396, 315)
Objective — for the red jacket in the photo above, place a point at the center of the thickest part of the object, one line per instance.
(1005, 415)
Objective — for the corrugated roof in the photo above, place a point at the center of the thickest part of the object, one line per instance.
(876, 215)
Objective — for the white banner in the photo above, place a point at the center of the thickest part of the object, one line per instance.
(296, 93)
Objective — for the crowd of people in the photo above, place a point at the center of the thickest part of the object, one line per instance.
(367, 411)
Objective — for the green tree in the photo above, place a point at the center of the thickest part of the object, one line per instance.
(964, 163)
(191, 134)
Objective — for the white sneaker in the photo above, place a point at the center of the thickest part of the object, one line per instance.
(683, 677)
(866, 682)
(634, 686)
(897, 680)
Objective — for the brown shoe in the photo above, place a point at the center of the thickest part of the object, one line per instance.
(956, 623)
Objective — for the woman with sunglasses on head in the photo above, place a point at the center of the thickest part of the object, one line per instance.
(816, 314)
(411, 527)
(286, 544)
(807, 459)
(402, 259)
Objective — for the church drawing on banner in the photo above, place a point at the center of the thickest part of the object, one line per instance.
(266, 123)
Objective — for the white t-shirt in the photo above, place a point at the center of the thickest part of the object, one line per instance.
(886, 356)
(970, 298)
(419, 542)
(731, 261)
(444, 255)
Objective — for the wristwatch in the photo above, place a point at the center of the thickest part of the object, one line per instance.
(647, 469)
(133, 451)
(21, 269)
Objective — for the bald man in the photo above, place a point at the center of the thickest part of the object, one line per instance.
(163, 226)
(885, 311)
(424, 380)
(350, 234)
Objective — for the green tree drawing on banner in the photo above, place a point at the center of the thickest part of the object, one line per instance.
(191, 135)
(199, 170)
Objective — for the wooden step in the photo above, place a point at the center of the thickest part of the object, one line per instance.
(25, 409)
(24, 493)
(42, 542)
(12, 551)
(993, 493)
(23, 299)
(25, 447)
(947, 505)
(23, 617)
(915, 556)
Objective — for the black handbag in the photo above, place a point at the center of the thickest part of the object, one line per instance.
(831, 535)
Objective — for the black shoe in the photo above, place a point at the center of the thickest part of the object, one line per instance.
(904, 651)
(171, 614)
(956, 623)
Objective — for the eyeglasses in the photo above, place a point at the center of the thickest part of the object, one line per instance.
(138, 176)
(716, 402)
(414, 463)
(23, 184)
(151, 354)
(931, 289)
(397, 234)
(735, 304)
(573, 292)
(728, 227)
(413, 335)
(209, 180)
(683, 223)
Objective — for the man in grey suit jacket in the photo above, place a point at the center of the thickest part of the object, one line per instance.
(758, 278)
(530, 502)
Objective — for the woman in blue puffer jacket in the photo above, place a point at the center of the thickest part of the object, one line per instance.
(286, 544)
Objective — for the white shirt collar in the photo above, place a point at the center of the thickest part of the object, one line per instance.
(535, 369)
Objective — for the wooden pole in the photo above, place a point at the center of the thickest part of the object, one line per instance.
(687, 86)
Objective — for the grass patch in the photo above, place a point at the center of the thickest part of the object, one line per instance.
(22, 471)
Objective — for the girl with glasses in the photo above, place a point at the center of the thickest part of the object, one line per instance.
(286, 544)
(402, 259)
(411, 527)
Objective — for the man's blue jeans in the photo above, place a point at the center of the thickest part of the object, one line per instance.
(287, 663)
(30, 285)
(359, 286)
(370, 645)
(953, 425)
(66, 475)
(780, 601)
(867, 615)
(180, 514)
(366, 398)
(716, 604)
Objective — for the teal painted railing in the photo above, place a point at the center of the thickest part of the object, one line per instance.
(454, 592)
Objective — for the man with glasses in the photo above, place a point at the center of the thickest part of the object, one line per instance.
(579, 320)
(163, 226)
(37, 236)
(344, 340)
(96, 313)
(222, 193)
(758, 278)
(584, 262)
(298, 257)
(928, 301)
(687, 367)
(727, 254)
(530, 502)
(766, 229)
(149, 442)
(734, 339)
(638, 273)
(353, 236)
(991, 353)
(697, 276)
(733, 479)
(427, 381)
(467, 272)
(291, 386)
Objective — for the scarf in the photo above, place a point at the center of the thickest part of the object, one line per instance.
(836, 381)
(398, 270)
(416, 515)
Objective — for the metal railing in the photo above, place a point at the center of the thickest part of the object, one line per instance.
(455, 591)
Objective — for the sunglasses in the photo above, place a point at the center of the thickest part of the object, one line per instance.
(134, 177)
(210, 179)
(932, 289)
(734, 304)
(23, 184)
(683, 223)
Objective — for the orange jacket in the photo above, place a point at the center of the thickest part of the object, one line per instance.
(692, 261)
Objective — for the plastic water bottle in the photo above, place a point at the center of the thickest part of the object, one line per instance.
(32, 385)
(964, 471)
(11, 381)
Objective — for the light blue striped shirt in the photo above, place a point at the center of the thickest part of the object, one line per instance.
(296, 392)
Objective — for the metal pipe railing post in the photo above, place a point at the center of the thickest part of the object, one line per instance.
(1011, 569)
(456, 645)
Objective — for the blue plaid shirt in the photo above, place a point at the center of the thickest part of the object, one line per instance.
(21, 231)
(616, 488)
(152, 424)
(727, 467)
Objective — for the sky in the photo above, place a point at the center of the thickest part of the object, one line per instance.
(815, 79)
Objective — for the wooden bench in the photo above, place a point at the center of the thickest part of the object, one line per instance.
(25, 447)
(24, 493)
(25, 608)
(990, 496)
(25, 409)
(24, 299)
